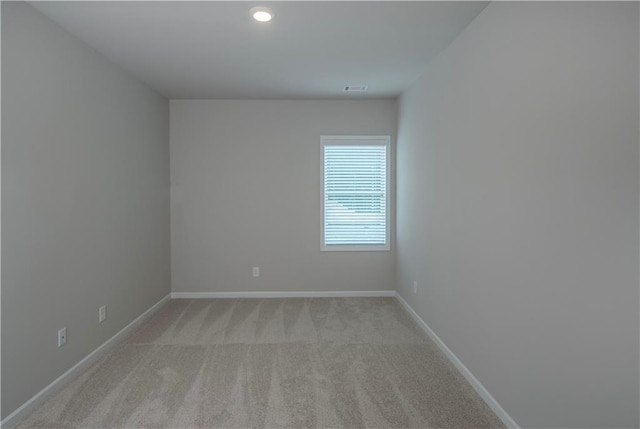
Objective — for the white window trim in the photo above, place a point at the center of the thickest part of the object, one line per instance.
(365, 141)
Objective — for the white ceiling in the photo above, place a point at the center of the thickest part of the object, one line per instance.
(312, 49)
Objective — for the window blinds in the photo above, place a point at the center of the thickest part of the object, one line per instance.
(355, 194)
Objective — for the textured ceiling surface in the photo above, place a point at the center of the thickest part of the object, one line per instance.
(310, 50)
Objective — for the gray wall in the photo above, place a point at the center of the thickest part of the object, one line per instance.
(85, 200)
(245, 178)
(518, 208)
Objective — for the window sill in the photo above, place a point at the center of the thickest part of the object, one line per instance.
(355, 248)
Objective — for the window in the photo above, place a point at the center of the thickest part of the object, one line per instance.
(355, 192)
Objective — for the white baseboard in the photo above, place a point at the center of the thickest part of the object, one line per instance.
(478, 387)
(286, 294)
(87, 361)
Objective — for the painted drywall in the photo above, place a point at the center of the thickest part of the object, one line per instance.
(85, 200)
(517, 208)
(245, 192)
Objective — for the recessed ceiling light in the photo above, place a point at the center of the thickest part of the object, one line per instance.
(261, 14)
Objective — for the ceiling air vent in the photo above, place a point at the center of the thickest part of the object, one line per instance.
(355, 88)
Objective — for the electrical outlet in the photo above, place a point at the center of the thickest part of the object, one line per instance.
(62, 337)
(102, 313)
(415, 286)
(256, 271)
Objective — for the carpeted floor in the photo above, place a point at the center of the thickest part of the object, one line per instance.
(254, 363)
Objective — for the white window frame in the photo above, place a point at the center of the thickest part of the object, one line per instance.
(353, 141)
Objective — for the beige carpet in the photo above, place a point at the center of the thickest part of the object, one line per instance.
(255, 363)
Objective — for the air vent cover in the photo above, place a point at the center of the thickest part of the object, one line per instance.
(355, 88)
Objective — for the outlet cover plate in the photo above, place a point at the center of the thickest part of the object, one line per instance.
(62, 337)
